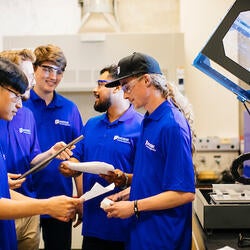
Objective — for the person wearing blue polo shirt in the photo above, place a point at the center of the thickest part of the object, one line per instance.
(57, 119)
(13, 84)
(9, 107)
(22, 150)
(111, 138)
(163, 185)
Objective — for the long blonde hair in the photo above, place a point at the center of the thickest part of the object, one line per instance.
(170, 92)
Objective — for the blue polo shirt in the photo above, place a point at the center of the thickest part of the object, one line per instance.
(8, 240)
(59, 121)
(114, 143)
(21, 146)
(163, 162)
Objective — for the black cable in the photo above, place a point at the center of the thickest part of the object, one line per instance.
(244, 103)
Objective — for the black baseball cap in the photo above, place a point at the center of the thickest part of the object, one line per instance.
(137, 63)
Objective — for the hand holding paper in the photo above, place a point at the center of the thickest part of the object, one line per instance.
(106, 203)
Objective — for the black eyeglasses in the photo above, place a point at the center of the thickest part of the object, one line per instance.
(17, 98)
(47, 69)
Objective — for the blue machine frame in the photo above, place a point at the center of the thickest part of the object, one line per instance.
(214, 50)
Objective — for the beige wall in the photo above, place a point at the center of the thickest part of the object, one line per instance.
(216, 108)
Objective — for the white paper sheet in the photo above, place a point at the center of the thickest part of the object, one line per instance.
(97, 190)
(92, 167)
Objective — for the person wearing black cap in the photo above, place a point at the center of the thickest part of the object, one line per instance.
(163, 185)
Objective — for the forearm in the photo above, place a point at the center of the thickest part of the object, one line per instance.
(60, 207)
(40, 157)
(64, 155)
(165, 200)
(13, 209)
(79, 185)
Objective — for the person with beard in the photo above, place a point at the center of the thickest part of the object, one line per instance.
(111, 138)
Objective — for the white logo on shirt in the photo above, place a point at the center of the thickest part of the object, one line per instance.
(150, 146)
(121, 139)
(24, 131)
(64, 123)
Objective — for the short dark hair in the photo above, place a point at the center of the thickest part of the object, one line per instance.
(12, 76)
(112, 69)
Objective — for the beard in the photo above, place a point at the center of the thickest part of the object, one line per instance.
(102, 106)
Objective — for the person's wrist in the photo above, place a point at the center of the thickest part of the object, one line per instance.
(136, 210)
(125, 182)
(76, 173)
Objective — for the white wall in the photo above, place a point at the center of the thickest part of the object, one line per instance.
(216, 109)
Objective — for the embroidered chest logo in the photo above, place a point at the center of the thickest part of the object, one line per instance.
(121, 139)
(64, 123)
(150, 146)
(24, 131)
